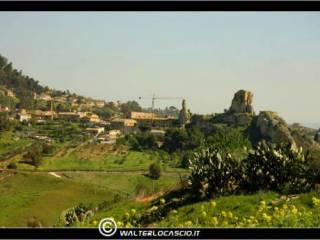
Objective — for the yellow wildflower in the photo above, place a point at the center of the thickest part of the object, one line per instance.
(266, 217)
(214, 221)
(188, 223)
(204, 214)
(133, 211)
(223, 214)
(213, 204)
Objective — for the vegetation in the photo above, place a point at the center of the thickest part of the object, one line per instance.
(22, 85)
(154, 171)
(268, 167)
(33, 156)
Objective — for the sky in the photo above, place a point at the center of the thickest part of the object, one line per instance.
(204, 57)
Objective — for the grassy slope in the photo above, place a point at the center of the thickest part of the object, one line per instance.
(9, 143)
(243, 209)
(44, 196)
(102, 157)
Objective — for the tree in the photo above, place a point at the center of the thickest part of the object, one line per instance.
(175, 139)
(4, 121)
(154, 171)
(33, 156)
(130, 106)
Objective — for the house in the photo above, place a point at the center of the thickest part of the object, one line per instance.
(68, 115)
(94, 118)
(142, 115)
(151, 120)
(113, 134)
(24, 116)
(83, 114)
(61, 99)
(9, 93)
(100, 103)
(110, 137)
(4, 108)
(96, 130)
(125, 125)
(43, 115)
(43, 96)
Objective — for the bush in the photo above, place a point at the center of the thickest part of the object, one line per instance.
(47, 148)
(12, 165)
(227, 138)
(33, 156)
(213, 174)
(142, 141)
(154, 171)
(279, 168)
(175, 139)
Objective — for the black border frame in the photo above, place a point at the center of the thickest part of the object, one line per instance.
(159, 5)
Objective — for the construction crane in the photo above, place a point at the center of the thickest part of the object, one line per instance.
(154, 98)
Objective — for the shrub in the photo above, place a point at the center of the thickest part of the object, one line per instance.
(175, 139)
(213, 174)
(47, 148)
(33, 156)
(154, 171)
(279, 167)
(12, 165)
(142, 141)
(227, 138)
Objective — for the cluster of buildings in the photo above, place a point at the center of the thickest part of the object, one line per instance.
(40, 115)
(75, 101)
(134, 122)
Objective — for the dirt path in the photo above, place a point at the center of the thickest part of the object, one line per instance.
(54, 174)
(111, 172)
(148, 198)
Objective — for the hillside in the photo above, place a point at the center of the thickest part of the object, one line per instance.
(21, 85)
(78, 156)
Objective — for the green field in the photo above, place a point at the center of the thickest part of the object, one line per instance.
(43, 196)
(97, 157)
(9, 142)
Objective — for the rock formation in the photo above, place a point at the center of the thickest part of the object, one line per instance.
(185, 115)
(273, 128)
(242, 102)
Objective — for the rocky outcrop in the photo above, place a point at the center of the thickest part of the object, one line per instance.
(185, 115)
(273, 128)
(242, 102)
(234, 119)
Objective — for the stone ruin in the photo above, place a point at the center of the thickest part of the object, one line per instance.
(184, 115)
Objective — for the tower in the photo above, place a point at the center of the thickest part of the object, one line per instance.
(184, 116)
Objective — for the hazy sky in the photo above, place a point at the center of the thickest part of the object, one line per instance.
(204, 57)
